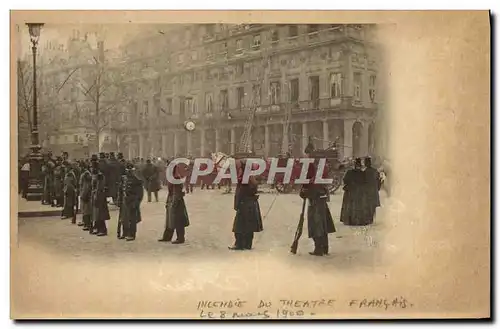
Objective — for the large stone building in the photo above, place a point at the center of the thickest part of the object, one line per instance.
(305, 80)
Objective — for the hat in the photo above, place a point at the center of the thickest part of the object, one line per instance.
(120, 155)
(129, 165)
(102, 155)
(112, 154)
(357, 162)
(94, 157)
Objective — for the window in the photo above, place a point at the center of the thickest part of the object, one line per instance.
(168, 106)
(194, 106)
(275, 37)
(294, 90)
(180, 58)
(275, 93)
(312, 28)
(157, 105)
(239, 69)
(239, 45)
(335, 85)
(188, 105)
(224, 100)
(293, 31)
(256, 94)
(357, 86)
(209, 102)
(194, 55)
(314, 91)
(210, 53)
(240, 93)
(75, 138)
(223, 47)
(373, 80)
(182, 107)
(256, 42)
(145, 109)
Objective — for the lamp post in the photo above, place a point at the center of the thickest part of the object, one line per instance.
(35, 187)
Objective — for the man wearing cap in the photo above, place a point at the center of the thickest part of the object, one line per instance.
(355, 211)
(248, 219)
(319, 219)
(131, 194)
(176, 217)
(100, 212)
(85, 197)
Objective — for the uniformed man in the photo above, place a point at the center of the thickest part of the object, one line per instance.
(248, 219)
(100, 212)
(176, 217)
(69, 193)
(131, 194)
(85, 197)
(319, 219)
(58, 180)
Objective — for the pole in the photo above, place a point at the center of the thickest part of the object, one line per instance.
(34, 132)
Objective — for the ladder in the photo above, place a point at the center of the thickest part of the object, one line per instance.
(285, 147)
(247, 132)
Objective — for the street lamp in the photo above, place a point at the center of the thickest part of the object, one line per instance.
(35, 187)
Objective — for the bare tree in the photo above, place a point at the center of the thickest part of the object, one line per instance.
(104, 96)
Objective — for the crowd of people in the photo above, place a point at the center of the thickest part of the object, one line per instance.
(89, 185)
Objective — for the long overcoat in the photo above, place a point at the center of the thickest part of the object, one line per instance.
(355, 210)
(372, 187)
(132, 193)
(248, 218)
(100, 210)
(176, 212)
(151, 176)
(69, 194)
(319, 218)
(86, 193)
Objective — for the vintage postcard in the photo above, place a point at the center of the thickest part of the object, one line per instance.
(250, 164)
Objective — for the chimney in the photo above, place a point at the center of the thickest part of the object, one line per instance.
(100, 51)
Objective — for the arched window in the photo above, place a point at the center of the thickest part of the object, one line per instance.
(335, 85)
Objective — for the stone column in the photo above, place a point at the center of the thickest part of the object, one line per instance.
(189, 146)
(304, 136)
(141, 145)
(326, 135)
(202, 142)
(163, 145)
(284, 145)
(217, 140)
(266, 141)
(233, 141)
(176, 144)
(364, 138)
(129, 138)
(348, 142)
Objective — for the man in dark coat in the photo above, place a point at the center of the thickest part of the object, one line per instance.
(151, 179)
(130, 202)
(48, 182)
(85, 197)
(100, 212)
(248, 219)
(372, 188)
(319, 219)
(58, 179)
(69, 192)
(115, 170)
(104, 169)
(354, 210)
(176, 218)
(310, 146)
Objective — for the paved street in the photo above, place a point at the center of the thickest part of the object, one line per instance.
(211, 217)
(57, 259)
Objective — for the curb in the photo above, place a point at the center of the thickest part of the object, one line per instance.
(39, 213)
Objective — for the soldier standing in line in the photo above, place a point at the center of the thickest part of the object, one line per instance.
(248, 219)
(58, 179)
(319, 219)
(114, 176)
(69, 193)
(176, 217)
(132, 193)
(85, 197)
(100, 212)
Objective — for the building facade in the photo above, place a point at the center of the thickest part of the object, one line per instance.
(316, 81)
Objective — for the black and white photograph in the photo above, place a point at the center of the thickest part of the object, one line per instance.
(237, 170)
